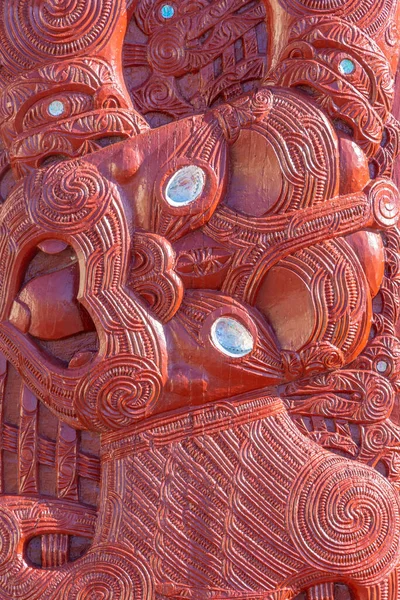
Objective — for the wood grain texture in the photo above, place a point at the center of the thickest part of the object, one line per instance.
(199, 300)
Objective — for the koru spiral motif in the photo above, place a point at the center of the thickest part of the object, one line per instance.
(199, 300)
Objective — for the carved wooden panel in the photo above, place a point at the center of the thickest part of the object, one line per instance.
(199, 300)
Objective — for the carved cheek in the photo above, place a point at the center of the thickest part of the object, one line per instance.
(256, 178)
(354, 172)
(370, 252)
(287, 303)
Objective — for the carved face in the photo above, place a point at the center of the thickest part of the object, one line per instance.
(188, 243)
(178, 284)
(175, 256)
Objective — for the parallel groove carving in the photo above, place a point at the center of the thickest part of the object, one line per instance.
(199, 300)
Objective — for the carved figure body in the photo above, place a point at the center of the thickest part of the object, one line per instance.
(185, 242)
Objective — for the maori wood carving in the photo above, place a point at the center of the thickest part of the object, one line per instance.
(199, 300)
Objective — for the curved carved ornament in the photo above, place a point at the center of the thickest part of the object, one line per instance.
(199, 300)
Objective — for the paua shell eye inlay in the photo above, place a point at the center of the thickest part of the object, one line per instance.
(56, 108)
(231, 337)
(347, 66)
(167, 11)
(382, 366)
(185, 185)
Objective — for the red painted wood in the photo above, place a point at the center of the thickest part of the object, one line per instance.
(199, 300)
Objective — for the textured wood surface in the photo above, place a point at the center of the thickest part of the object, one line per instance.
(199, 300)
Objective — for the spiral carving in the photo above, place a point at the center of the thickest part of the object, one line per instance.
(157, 93)
(167, 52)
(377, 437)
(118, 392)
(385, 201)
(69, 198)
(153, 275)
(38, 30)
(109, 573)
(344, 518)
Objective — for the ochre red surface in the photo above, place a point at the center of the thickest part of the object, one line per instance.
(199, 300)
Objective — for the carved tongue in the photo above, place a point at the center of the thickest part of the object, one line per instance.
(81, 359)
(52, 246)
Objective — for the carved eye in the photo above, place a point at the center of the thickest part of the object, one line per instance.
(231, 337)
(56, 108)
(347, 66)
(67, 104)
(185, 185)
(382, 366)
(352, 69)
(167, 11)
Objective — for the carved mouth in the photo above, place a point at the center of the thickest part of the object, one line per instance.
(76, 206)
